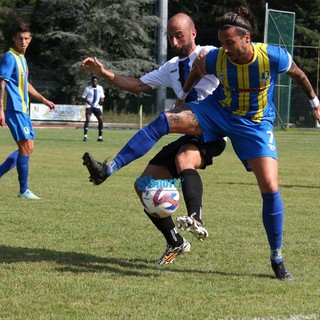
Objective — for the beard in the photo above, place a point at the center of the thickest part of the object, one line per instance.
(184, 51)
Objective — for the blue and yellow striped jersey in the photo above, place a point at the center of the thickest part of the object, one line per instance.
(247, 90)
(14, 70)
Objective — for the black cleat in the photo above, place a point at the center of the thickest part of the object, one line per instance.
(281, 271)
(85, 139)
(100, 140)
(172, 252)
(97, 170)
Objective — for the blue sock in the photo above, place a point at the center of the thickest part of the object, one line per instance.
(272, 216)
(23, 171)
(9, 163)
(140, 143)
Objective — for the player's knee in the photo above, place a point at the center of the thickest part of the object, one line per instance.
(189, 157)
(26, 147)
(269, 186)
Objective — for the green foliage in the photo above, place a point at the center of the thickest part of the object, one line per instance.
(10, 13)
(206, 15)
(87, 252)
(122, 33)
(65, 32)
(307, 35)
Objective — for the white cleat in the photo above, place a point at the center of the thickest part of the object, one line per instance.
(28, 194)
(190, 224)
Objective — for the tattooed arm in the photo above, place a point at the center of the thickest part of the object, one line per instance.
(2, 116)
(302, 81)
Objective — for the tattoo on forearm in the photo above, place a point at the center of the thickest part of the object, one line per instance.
(1, 96)
(301, 80)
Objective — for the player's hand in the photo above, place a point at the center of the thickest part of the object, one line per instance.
(49, 104)
(92, 65)
(316, 113)
(178, 103)
(200, 63)
(87, 64)
(2, 118)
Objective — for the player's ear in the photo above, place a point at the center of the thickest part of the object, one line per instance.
(247, 37)
(194, 33)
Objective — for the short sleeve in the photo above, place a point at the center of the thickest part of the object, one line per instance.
(7, 65)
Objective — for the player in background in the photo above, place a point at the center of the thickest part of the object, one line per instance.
(241, 108)
(93, 95)
(183, 157)
(14, 107)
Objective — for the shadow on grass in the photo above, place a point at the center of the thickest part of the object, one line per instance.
(60, 139)
(80, 262)
(255, 184)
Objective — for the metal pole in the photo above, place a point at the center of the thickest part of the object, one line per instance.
(318, 70)
(162, 49)
(266, 22)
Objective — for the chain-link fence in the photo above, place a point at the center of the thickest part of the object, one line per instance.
(292, 106)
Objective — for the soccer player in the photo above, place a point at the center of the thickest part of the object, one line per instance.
(184, 156)
(14, 107)
(93, 95)
(241, 108)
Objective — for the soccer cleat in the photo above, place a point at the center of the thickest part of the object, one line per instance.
(190, 224)
(171, 253)
(28, 194)
(97, 170)
(85, 139)
(100, 140)
(281, 271)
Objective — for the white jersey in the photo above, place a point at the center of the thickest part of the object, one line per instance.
(93, 95)
(168, 76)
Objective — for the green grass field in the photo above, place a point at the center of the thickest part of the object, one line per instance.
(87, 252)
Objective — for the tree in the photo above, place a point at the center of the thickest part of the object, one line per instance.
(12, 12)
(122, 33)
(118, 32)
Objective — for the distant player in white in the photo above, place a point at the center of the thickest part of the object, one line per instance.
(94, 97)
(181, 158)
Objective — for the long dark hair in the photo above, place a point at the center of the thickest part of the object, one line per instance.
(237, 18)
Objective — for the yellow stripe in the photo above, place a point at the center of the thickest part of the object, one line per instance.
(222, 75)
(243, 82)
(21, 81)
(264, 64)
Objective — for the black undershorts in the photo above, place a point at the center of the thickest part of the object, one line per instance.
(166, 156)
(96, 111)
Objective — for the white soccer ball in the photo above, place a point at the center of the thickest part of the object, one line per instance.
(160, 198)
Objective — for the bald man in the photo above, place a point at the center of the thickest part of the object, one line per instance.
(181, 158)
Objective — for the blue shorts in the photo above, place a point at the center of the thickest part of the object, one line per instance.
(20, 125)
(249, 139)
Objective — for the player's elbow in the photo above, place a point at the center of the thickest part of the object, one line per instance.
(141, 87)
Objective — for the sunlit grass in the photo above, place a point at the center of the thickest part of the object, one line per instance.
(85, 252)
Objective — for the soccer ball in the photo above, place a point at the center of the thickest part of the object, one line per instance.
(160, 198)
